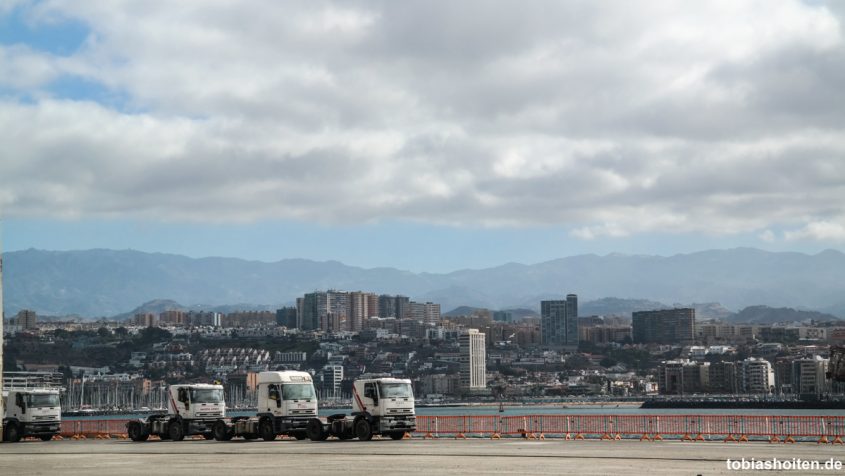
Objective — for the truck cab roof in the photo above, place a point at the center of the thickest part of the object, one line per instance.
(287, 376)
(385, 380)
(209, 386)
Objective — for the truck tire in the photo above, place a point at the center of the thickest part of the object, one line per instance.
(221, 431)
(46, 437)
(300, 435)
(11, 433)
(397, 435)
(266, 430)
(315, 431)
(208, 436)
(175, 431)
(363, 430)
(137, 431)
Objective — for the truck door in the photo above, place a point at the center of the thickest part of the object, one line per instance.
(371, 392)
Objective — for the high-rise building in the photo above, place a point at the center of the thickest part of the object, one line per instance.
(666, 326)
(808, 376)
(27, 320)
(403, 307)
(432, 313)
(502, 316)
(286, 317)
(386, 306)
(559, 322)
(331, 377)
(757, 376)
(146, 319)
(678, 377)
(310, 309)
(359, 310)
(473, 360)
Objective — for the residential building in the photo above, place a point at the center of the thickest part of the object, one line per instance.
(559, 322)
(666, 326)
(473, 361)
(808, 376)
(286, 317)
(757, 376)
(27, 320)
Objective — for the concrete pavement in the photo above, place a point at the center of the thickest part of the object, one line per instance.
(443, 456)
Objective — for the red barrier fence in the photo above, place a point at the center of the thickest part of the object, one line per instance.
(93, 428)
(688, 427)
(729, 427)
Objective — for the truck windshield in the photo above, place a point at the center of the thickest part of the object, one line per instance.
(37, 400)
(298, 391)
(207, 395)
(396, 390)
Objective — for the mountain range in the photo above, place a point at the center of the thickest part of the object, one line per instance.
(94, 283)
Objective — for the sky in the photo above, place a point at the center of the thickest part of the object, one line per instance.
(429, 136)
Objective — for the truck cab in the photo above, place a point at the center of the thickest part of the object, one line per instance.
(380, 406)
(192, 409)
(197, 401)
(387, 402)
(31, 412)
(286, 402)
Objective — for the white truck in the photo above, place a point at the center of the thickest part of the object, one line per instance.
(31, 412)
(286, 402)
(380, 406)
(192, 410)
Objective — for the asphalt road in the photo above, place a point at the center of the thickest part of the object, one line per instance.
(443, 456)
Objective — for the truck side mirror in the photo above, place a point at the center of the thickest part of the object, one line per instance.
(20, 402)
(278, 403)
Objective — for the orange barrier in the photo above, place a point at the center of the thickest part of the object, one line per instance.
(738, 428)
(823, 429)
(78, 429)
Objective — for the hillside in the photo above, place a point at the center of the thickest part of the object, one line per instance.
(97, 283)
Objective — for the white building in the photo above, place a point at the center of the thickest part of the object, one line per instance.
(757, 376)
(473, 360)
(808, 376)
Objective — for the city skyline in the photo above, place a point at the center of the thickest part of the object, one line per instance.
(473, 136)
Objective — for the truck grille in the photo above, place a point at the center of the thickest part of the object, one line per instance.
(209, 414)
(309, 411)
(45, 417)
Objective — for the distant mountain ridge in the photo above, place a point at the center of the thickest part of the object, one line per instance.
(97, 283)
(769, 315)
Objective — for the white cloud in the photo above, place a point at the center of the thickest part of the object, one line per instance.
(718, 117)
(819, 231)
(767, 235)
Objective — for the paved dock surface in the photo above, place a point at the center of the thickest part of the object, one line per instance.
(443, 456)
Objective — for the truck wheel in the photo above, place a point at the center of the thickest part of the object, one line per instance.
(175, 431)
(11, 433)
(363, 430)
(346, 435)
(266, 431)
(221, 432)
(315, 431)
(397, 435)
(300, 436)
(46, 437)
(136, 431)
(208, 436)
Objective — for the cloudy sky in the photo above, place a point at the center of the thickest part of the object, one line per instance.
(422, 135)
